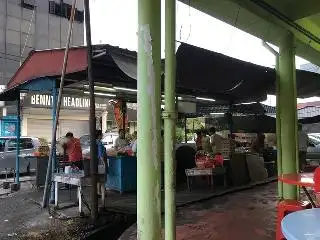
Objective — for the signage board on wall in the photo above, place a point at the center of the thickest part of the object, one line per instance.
(68, 102)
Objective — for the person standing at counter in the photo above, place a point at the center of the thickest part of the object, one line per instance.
(215, 141)
(205, 142)
(134, 147)
(258, 145)
(74, 151)
(102, 157)
(198, 139)
(120, 141)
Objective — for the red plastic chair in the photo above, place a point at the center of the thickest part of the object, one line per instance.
(285, 207)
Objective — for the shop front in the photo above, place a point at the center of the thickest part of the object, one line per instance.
(74, 116)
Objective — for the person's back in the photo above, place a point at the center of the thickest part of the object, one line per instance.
(74, 150)
(258, 144)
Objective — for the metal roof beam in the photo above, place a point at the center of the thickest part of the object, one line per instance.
(296, 9)
(266, 13)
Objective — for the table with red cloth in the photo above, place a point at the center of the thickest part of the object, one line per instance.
(302, 180)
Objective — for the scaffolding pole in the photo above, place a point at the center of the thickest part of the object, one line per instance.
(149, 118)
(169, 116)
(92, 119)
(54, 130)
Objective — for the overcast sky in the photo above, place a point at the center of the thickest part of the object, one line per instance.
(115, 23)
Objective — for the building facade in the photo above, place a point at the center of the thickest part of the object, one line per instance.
(27, 25)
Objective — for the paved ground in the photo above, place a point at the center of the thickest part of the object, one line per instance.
(246, 215)
(23, 218)
(254, 208)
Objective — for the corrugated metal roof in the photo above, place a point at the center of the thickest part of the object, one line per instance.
(308, 112)
(49, 63)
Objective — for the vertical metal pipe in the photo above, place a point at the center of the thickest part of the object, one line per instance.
(149, 119)
(185, 130)
(288, 111)
(230, 120)
(170, 120)
(124, 115)
(54, 131)
(278, 129)
(92, 120)
(18, 141)
(278, 116)
(54, 159)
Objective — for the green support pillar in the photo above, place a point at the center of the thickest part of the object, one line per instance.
(170, 120)
(149, 118)
(278, 118)
(288, 111)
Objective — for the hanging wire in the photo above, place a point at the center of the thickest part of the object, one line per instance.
(28, 34)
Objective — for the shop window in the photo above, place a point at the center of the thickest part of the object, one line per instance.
(79, 16)
(64, 10)
(28, 4)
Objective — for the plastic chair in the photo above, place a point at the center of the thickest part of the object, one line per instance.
(285, 207)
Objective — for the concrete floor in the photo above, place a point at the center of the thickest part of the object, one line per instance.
(246, 215)
(249, 213)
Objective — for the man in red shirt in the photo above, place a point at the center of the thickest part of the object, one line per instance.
(74, 151)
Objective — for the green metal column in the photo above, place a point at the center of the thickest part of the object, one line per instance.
(170, 120)
(288, 111)
(278, 118)
(149, 118)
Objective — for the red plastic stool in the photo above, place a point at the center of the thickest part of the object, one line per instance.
(285, 207)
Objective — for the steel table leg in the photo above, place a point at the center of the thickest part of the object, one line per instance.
(188, 182)
(56, 189)
(79, 199)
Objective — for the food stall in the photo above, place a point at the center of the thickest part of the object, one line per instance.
(243, 166)
(122, 163)
(122, 173)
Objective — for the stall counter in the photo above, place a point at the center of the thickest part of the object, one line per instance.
(122, 173)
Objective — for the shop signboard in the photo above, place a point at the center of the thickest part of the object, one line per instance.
(68, 102)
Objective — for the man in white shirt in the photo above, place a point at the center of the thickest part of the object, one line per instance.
(303, 145)
(215, 141)
(120, 141)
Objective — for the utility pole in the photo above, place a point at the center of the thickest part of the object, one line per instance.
(92, 119)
